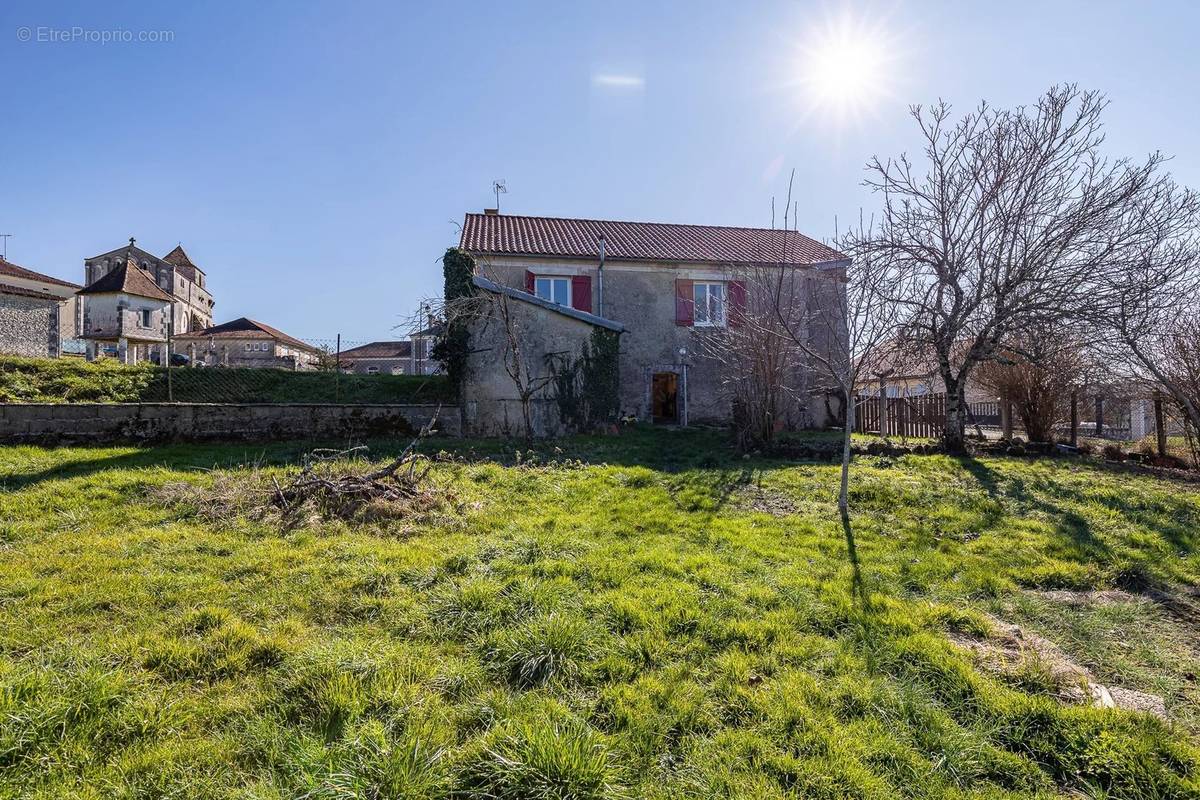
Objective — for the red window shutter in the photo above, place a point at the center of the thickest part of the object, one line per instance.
(581, 292)
(529, 282)
(737, 303)
(685, 303)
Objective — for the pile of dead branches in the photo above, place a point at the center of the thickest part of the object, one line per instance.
(325, 486)
(331, 485)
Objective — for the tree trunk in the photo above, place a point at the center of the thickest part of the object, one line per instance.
(954, 434)
(844, 491)
(526, 412)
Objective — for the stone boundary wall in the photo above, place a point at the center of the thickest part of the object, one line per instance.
(101, 423)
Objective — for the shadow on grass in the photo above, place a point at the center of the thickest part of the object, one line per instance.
(185, 458)
(1073, 532)
(668, 451)
(858, 588)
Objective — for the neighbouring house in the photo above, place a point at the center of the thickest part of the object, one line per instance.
(125, 315)
(245, 342)
(407, 357)
(659, 286)
(906, 372)
(174, 273)
(38, 313)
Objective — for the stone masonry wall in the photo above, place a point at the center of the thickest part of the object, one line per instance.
(98, 423)
(28, 326)
(641, 296)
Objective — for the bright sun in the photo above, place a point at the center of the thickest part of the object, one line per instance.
(846, 66)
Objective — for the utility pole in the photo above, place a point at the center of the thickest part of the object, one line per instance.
(170, 330)
(5, 237)
(337, 371)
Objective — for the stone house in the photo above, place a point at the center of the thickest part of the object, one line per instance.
(29, 322)
(548, 332)
(245, 342)
(407, 357)
(174, 273)
(664, 286)
(37, 312)
(125, 315)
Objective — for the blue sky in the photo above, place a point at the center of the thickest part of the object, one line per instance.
(315, 158)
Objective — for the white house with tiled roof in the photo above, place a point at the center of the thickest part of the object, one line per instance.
(125, 315)
(664, 285)
(174, 273)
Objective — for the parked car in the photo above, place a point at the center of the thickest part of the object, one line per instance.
(177, 359)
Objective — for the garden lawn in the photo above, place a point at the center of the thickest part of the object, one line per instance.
(634, 616)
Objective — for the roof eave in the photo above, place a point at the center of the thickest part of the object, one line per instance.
(567, 311)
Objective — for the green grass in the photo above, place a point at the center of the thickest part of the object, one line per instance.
(594, 618)
(65, 380)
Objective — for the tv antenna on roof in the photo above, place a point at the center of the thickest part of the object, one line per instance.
(498, 188)
(5, 236)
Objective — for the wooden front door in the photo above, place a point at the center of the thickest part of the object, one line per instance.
(664, 397)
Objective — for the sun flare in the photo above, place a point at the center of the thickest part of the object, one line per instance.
(846, 66)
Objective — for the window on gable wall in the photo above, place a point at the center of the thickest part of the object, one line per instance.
(709, 305)
(556, 290)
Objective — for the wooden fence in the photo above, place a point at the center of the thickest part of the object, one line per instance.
(916, 417)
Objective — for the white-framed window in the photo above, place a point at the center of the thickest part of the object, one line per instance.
(249, 346)
(372, 370)
(556, 290)
(144, 317)
(709, 304)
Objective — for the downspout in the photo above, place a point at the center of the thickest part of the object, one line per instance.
(600, 279)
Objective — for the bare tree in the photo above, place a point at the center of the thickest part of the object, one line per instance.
(1183, 376)
(759, 365)
(801, 330)
(1014, 221)
(491, 321)
(1036, 371)
(1150, 326)
(529, 377)
(839, 325)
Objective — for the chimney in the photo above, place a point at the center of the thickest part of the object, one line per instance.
(491, 212)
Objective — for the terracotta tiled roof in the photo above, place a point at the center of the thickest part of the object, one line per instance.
(129, 279)
(23, 291)
(505, 234)
(179, 259)
(380, 350)
(13, 271)
(246, 328)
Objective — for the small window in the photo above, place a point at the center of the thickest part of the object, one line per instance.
(372, 370)
(249, 346)
(709, 304)
(556, 290)
(145, 320)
